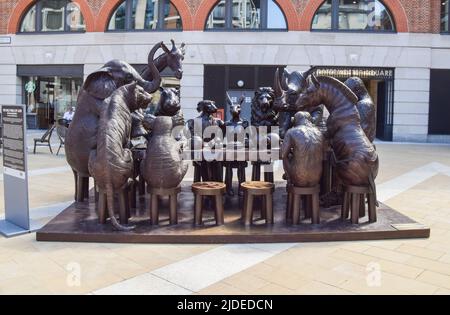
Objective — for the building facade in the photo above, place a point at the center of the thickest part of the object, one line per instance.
(401, 48)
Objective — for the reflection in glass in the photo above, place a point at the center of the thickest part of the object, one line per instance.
(117, 21)
(275, 17)
(322, 18)
(144, 14)
(53, 15)
(172, 19)
(75, 20)
(50, 97)
(444, 16)
(364, 15)
(246, 14)
(29, 21)
(216, 18)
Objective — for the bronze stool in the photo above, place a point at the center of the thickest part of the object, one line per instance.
(202, 189)
(258, 188)
(312, 206)
(173, 197)
(124, 207)
(354, 201)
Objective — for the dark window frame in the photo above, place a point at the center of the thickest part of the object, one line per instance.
(447, 32)
(229, 19)
(38, 22)
(335, 21)
(128, 18)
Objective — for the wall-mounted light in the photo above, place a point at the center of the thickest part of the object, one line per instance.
(240, 83)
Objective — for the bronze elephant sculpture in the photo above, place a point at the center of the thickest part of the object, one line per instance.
(111, 163)
(81, 137)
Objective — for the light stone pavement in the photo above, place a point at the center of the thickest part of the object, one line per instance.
(414, 179)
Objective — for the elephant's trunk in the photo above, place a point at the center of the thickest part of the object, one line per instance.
(153, 85)
(110, 206)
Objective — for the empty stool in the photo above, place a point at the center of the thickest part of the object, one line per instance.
(214, 189)
(355, 201)
(312, 207)
(155, 193)
(257, 188)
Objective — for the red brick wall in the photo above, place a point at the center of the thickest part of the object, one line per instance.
(422, 16)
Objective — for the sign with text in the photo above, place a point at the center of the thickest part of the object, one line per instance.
(15, 179)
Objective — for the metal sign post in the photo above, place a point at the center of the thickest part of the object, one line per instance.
(15, 174)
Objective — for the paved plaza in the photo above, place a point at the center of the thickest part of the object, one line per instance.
(414, 179)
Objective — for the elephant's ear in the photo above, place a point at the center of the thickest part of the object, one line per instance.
(100, 84)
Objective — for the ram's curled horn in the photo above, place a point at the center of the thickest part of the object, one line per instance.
(152, 85)
(277, 85)
(307, 73)
(165, 48)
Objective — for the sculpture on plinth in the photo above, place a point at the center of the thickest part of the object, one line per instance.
(236, 138)
(264, 115)
(111, 163)
(355, 159)
(205, 170)
(81, 136)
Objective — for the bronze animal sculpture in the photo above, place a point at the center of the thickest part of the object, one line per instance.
(205, 170)
(81, 137)
(111, 163)
(356, 161)
(365, 106)
(291, 84)
(171, 58)
(163, 166)
(169, 105)
(237, 137)
(264, 115)
(302, 152)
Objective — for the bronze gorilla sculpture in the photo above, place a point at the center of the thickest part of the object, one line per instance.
(365, 106)
(302, 152)
(111, 163)
(81, 136)
(163, 166)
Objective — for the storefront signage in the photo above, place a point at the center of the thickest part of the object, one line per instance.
(363, 73)
(5, 40)
(15, 179)
(30, 87)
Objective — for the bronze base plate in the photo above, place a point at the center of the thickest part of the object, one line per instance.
(79, 223)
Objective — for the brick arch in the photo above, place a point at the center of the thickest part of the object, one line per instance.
(22, 7)
(108, 8)
(394, 6)
(206, 6)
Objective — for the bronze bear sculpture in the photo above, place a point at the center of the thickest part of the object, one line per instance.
(302, 152)
(111, 163)
(163, 166)
(81, 136)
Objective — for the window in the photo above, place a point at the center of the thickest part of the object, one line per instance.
(53, 16)
(445, 11)
(143, 15)
(246, 15)
(353, 15)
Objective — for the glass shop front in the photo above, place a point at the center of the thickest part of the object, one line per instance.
(48, 93)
